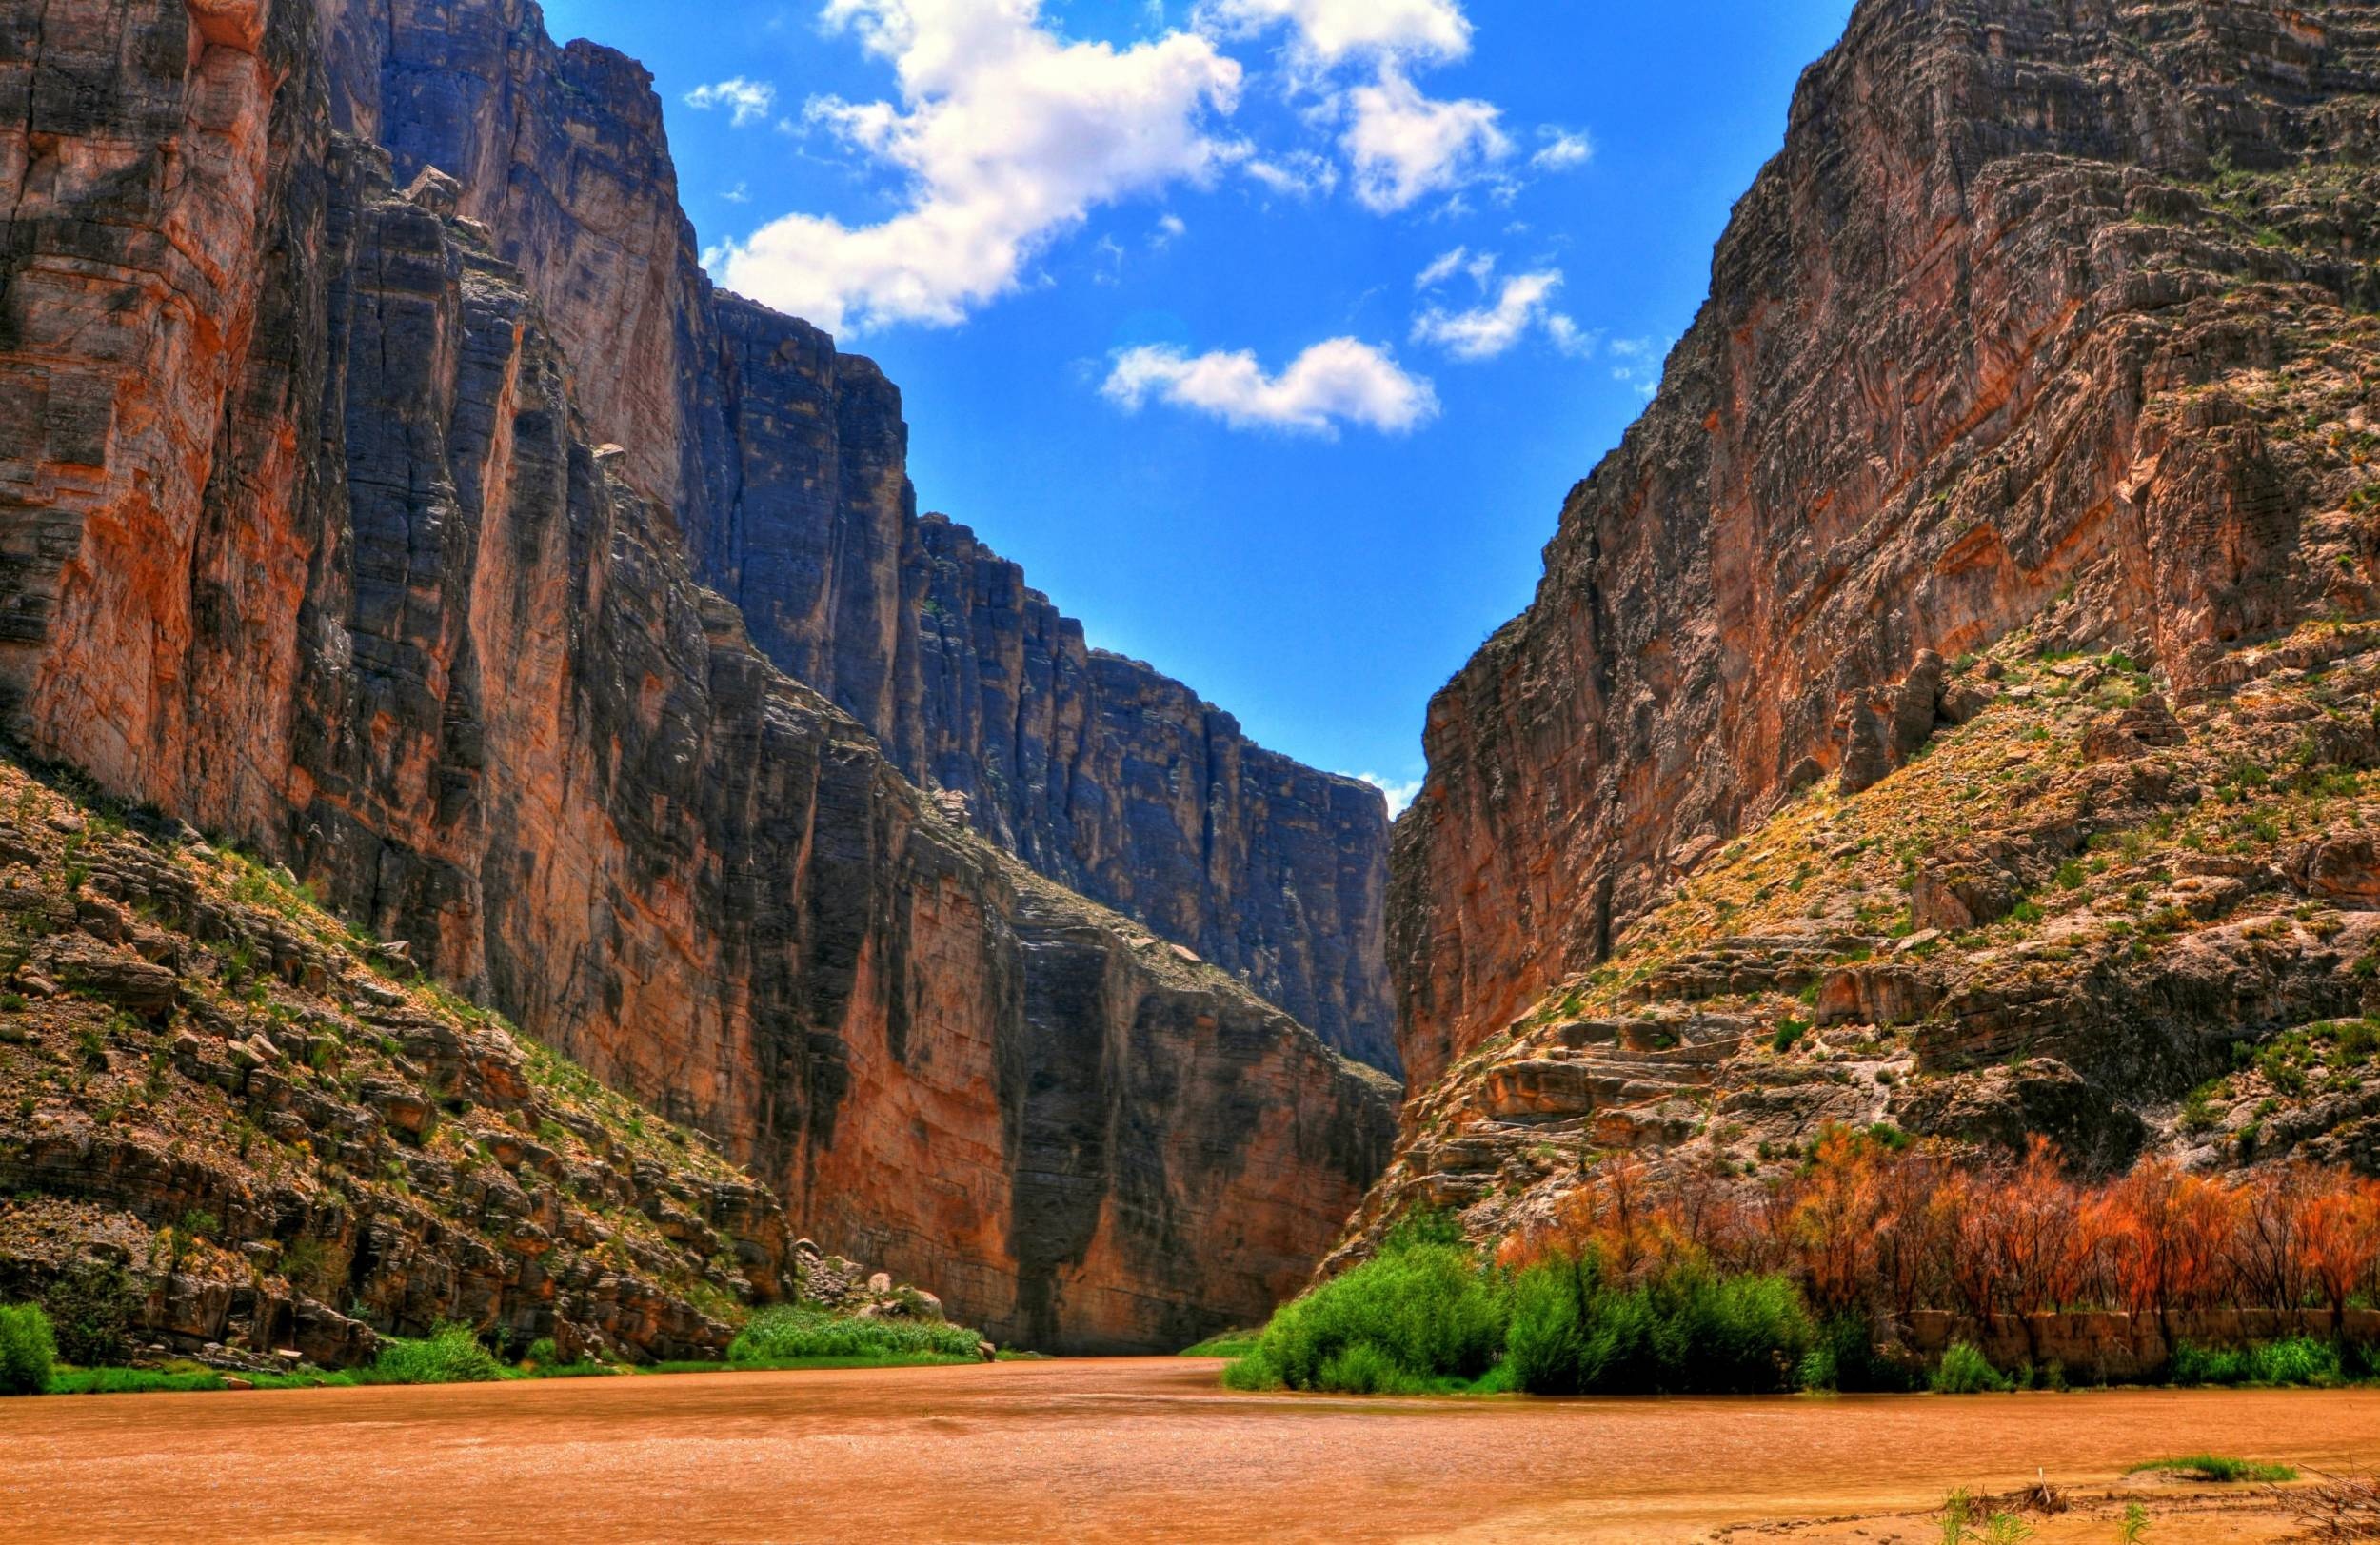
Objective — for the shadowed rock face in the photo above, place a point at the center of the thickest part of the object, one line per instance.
(785, 463)
(307, 537)
(1975, 358)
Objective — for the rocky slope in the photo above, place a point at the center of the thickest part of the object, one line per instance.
(783, 460)
(2082, 912)
(2049, 330)
(282, 1137)
(1995, 336)
(306, 539)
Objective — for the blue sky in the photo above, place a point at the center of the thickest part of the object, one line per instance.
(1267, 334)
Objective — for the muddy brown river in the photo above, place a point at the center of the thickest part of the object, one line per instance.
(1099, 1450)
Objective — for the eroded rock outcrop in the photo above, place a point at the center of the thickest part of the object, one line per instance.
(1949, 712)
(309, 540)
(783, 461)
(2024, 322)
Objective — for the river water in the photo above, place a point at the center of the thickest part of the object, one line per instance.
(1091, 1450)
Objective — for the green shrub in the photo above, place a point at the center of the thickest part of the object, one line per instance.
(796, 1332)
(2208, 1365)
(451, 1354)
(90, 1308)
(1683, 1332)
(2300, 1360)
(2297, 1361)
(1966, 1371)
(1846, 1350)
(1426, 1316)
(27, 1352)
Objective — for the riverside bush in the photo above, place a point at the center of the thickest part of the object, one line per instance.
(2297, 1361)
(91, 1307)
(1418, 1317)
(451, 1354)
(1966, 1371)
(795, 1333)
(27, 1352)
(1682, 1331)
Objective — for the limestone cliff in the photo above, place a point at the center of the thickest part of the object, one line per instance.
(1996, 337)
(783, 461)
(305, 536)
(1951, 704)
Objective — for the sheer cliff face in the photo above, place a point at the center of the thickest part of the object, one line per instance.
(1975, 356)
(785, 463)
(305, 534)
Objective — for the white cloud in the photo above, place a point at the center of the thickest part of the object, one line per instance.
(741, 193)
(1561, 151)
(1442, 267)
(1170, 229)
(1400, 792)
(1569, 337)
(1007, 136)
(1405, 146)
(746, 101)
(1329, 30)
(1524, 302)
(1462, 260)
(1638, 363)
(1107, 261)
(1298, 174)
(1338, 380)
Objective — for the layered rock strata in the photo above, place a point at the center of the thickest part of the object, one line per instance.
(2003, 333)
(308, 540)
(1950, 709)
(785, 463)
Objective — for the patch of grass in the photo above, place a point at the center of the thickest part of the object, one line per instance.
(796, 1333)
(2300, 1360)
(923, 1359)
(309, 1379)
(2218, 1468)
(1965, 1370)
(1227, 1344)
(133, 1380)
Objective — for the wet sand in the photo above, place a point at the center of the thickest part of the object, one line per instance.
(1103, 1449)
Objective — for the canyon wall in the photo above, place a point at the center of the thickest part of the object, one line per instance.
(307, 535)
(783, 461)
(2010, 335)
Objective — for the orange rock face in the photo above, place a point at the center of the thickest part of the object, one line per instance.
(784, 461)
(310, 539)
(1977, 356)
